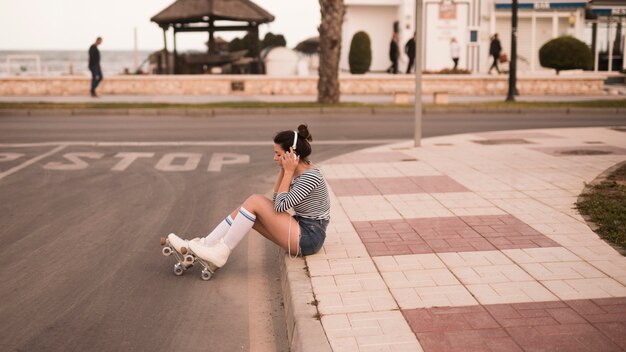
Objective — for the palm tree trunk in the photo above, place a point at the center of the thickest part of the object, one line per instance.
(330, 51)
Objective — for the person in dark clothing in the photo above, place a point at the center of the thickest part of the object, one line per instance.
(409, 50)
(394, 53)
(495, 49)
(455, 52)
(94, 66)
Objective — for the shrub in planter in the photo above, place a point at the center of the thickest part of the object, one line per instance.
(448, 71)
(360, 56)
(565, 53)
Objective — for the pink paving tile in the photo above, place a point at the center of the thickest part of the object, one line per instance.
(540, 326)
(460, 245)
(448, 234)
(484, 340)
(449, 319)
(364, 157)
(606, 310)
(612, 304)
(437, 223)
(507, 232)
(438, 184)
(458, 329)
(353, 187)
(615, 331)
(531, 314)
(572, 337)
(396, 185)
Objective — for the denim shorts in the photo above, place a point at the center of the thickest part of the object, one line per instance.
(312, 235)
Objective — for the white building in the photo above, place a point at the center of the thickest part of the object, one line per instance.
(472, 22)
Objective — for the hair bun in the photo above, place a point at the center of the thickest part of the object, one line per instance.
(303, 132)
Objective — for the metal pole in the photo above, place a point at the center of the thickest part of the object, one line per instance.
(418, 71)
(513, 62)
(594, 40)
(610, 31)
(135, 52)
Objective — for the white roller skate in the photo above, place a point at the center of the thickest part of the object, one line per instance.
(211, 256)
(180, 248)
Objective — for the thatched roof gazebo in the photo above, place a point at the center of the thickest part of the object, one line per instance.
(202, 15)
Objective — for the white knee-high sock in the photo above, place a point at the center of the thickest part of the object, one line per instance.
(219, 231)
(239, 229)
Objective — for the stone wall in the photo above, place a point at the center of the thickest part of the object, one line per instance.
(470, 85)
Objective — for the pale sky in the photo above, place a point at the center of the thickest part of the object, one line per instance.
(74, 24)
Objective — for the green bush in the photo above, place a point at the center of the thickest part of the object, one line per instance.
(566, 53)
(248, 42)
(360, 56)
(271, 40)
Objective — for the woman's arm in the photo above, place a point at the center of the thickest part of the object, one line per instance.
(289, 164)
(301, 189)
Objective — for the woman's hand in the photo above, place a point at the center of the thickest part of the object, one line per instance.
(289, 160)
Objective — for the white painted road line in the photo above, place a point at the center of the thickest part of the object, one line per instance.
(129, 158)
(219, 159)
(167, 162)
(77, 163)
(192, 143)
(10, 156)
(31, 161)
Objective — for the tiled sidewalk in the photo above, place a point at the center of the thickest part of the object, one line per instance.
(471, 243)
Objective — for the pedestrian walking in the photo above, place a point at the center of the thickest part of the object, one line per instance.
(455, 52)
(495, 49)
(299, 186)
(94, 66)
(394, 54)
(409, 50)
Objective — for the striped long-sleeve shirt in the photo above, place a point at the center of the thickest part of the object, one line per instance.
(308, 196)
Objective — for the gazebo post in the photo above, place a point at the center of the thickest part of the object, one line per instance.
(257, 46)
(166, 59)
(211, 38)
(175, 59)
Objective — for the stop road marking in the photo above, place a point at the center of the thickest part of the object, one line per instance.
(170, 162)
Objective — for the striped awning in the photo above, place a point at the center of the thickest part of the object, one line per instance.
(541, 5)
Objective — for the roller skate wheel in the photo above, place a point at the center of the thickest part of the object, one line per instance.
(206, 275)
(189, 259)
(183, 250)
(162, 241)
(167, 251)
(178, 270)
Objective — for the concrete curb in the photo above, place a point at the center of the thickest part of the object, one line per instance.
(210, 112)
(304, 329)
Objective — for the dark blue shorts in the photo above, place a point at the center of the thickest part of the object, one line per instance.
(312, 235)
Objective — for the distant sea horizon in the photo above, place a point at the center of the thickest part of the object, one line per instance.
(64, 62)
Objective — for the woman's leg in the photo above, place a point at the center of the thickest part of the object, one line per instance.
(257, 211)
(219, 231)
(279, 228)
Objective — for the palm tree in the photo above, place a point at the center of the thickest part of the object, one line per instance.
(330, 50)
